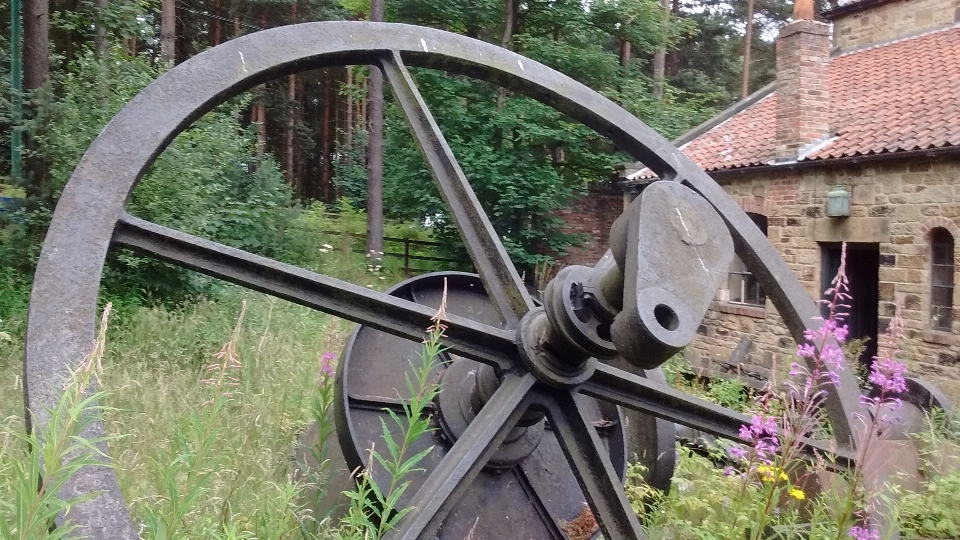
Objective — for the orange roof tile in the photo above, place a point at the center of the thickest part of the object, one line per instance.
(894, 97)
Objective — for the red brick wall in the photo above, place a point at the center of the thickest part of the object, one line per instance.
(803, 99)
(592, 214)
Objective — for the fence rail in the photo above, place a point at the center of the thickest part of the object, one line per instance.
(407, 256)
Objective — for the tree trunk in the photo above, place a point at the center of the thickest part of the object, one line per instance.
(291, 122)
(673, 55)
(100, 36)
(374, 246)
(36, 71)
(747, 46)
(348, 132)
(168, 32)
(660, 57)
(364, 101)
(258, 115)
(36, 39)
(624, 53)
(326, 172)
(215, 34)
(509, 18)
(288, 131)
(236, 26)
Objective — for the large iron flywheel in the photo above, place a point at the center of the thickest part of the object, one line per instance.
(523, 384)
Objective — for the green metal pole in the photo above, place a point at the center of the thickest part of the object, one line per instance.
(16, 93)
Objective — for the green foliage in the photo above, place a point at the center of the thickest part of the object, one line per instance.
(375, 509)
(710, 50)
(186, 479)
(524, 160)
(730, 393)
(516, 182)
(206, 182)
(932, 513)
(32, 476)
(702, 504)
(14, 295)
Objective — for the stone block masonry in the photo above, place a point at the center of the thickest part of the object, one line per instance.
(884, 21)
(896, 213)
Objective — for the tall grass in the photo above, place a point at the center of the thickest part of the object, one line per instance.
(155, 373)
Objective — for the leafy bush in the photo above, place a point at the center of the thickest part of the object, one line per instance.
(932, 513)
(518, 180)
(207, 181)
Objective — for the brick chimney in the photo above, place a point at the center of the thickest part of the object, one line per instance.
(803, 94)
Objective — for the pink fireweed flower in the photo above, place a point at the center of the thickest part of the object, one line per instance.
(326, 364)
(841, 333)
(805, 350)
(888, 375)
(887, 372)
(761, 433)
(863, 533)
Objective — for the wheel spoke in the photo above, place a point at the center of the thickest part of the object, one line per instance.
(640, 394)
(448, 482)
(390, 314)
(591, 465)
(498, 274)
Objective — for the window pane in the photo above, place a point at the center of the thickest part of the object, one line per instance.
(940, 318)
(754, 294)
(735, 284)
(941, 296)
(939, 253)
(941, 279)
(941, 276)
(743, 288)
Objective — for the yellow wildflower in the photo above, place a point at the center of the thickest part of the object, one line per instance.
(798, 494)
(769, 474)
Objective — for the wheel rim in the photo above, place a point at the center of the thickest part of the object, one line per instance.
(90, 217)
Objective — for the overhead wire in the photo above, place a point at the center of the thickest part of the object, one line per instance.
(240, 20)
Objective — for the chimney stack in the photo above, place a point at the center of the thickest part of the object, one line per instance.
(803, 93)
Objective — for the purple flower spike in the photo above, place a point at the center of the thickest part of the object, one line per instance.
(887, 373)
(841, 333)
(326, 364)
(863, 533)
(737, 453)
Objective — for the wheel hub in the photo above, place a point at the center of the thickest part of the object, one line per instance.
(462, 395)
(549, 355)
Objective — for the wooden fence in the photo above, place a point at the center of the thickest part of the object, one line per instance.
(407, 254)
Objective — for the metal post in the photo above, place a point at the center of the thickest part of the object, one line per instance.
(16, 93)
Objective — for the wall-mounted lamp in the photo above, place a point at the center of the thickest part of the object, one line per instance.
(838, 202)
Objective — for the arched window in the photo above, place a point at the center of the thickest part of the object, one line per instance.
(743, 286)
(941, 279)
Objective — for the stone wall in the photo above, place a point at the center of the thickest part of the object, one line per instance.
(891, 20)
(893, 205)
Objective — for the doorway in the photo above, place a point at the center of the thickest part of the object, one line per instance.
(863, 275)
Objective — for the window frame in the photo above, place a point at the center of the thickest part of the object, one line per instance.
(941, 243)
(743, 275)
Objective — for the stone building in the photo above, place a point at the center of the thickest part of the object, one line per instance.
(870, 117)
